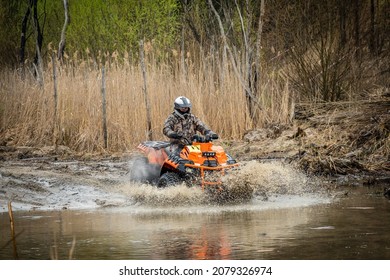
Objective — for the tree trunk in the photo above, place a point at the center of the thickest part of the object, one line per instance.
(257, 67)
(183, 72)
(61, 47)
(343, 20)
(373, 37)
(249, 89)
(38, 45)
(55, 95)
(23, 38)
(147, 104)
(224, 40)
(39, 35)
(357, 23)
(104, 109)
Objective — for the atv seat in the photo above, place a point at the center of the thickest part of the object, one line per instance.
(157, 144)
(168, 147)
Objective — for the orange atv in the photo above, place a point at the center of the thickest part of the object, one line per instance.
(199, 164)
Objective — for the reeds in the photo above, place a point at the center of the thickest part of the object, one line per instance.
(27, 111)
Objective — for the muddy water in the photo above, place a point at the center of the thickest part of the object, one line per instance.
(288, 218)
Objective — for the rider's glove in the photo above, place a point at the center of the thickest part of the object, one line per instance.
(175, 135)
(211, 136)
(214, 136)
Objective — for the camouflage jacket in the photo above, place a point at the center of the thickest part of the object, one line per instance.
(188, 125)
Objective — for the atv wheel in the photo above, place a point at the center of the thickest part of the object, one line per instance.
(143, 172)
(169, 179)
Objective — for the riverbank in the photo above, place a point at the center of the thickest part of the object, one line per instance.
(348, 139)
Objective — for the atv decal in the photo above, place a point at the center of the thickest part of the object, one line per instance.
(193, 148)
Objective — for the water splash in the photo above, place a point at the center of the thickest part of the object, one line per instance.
(253, 179)
(172, 196)
(268, 178)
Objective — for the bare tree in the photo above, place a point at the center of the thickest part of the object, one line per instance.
(61, 46)
(32, 8)
(245, 78)
(343, 23)
(38, 44)
(23, 38)
(145, 91)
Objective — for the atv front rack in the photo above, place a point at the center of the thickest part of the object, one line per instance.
(182, 166)
(203, 169)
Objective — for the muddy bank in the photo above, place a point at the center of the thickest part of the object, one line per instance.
(350, 139)
(49, 184)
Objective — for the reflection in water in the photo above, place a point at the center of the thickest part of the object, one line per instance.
(216, 247)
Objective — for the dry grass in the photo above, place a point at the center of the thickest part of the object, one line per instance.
(27, 111)
(345, 137)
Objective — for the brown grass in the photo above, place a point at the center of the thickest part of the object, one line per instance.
(27, 110)
(343, 138)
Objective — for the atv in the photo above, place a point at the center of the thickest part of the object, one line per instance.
(199, 164)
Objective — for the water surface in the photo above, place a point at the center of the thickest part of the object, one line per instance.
(352, 223)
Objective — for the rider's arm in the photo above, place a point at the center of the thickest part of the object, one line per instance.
(168, 128)
(202, 128)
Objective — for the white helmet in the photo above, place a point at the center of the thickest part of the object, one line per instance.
(182, 102)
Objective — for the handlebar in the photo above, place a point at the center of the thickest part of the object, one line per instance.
(205, 139)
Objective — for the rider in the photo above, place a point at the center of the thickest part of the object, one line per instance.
(181, 125)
